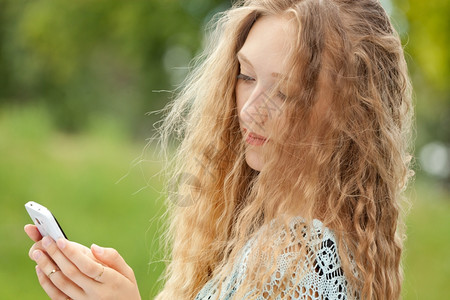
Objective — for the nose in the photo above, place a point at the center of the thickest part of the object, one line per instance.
(255, 110)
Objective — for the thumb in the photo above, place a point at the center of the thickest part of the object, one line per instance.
(32, 232)
(111, 258)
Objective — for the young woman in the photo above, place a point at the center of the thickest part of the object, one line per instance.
(294, 132)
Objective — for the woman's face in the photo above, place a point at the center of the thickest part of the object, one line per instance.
(261, 60)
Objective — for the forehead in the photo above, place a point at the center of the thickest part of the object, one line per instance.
(267, 43)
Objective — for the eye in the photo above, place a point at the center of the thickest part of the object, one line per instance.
(245, 77)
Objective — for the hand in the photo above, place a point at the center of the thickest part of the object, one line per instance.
(34, 234)
(66, 270)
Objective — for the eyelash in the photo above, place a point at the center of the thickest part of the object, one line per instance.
(247, 78)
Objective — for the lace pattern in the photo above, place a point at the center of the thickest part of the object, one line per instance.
(322, 275)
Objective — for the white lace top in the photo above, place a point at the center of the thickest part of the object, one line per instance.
(323, 277)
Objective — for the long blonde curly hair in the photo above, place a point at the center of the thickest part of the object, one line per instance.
(348, 170)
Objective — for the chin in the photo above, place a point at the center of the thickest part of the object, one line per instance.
(253, 161)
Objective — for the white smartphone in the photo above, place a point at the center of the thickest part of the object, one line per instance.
(44, 220)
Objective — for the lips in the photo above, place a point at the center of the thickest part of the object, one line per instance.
(255, 139)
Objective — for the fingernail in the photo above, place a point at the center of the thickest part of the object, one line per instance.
(61, 243)
(97, 249)
(46, 241)
(38, 270)
(37, 254)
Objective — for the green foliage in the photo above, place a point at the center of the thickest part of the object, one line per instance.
(85, 57)
(427, 41)
(428, 38)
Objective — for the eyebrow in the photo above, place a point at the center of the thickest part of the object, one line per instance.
(243, 58)
(277, 75)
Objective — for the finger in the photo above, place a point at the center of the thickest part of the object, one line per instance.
(112, 258)
(48, 286)
(36, 246)
(85, 250)
(87, 265)
(53, 273)
(71, 271)
(32, 232)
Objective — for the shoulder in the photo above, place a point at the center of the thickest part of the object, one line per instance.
(317, 273)
(314, 233)
(321, 248)
(323, 272)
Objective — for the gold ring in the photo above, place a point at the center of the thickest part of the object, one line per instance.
(52, 272)
(100, 275)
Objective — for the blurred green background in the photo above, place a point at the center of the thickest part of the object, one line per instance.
(77, 80)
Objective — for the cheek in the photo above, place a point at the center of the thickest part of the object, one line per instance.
(240, 97)
(279, 128)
